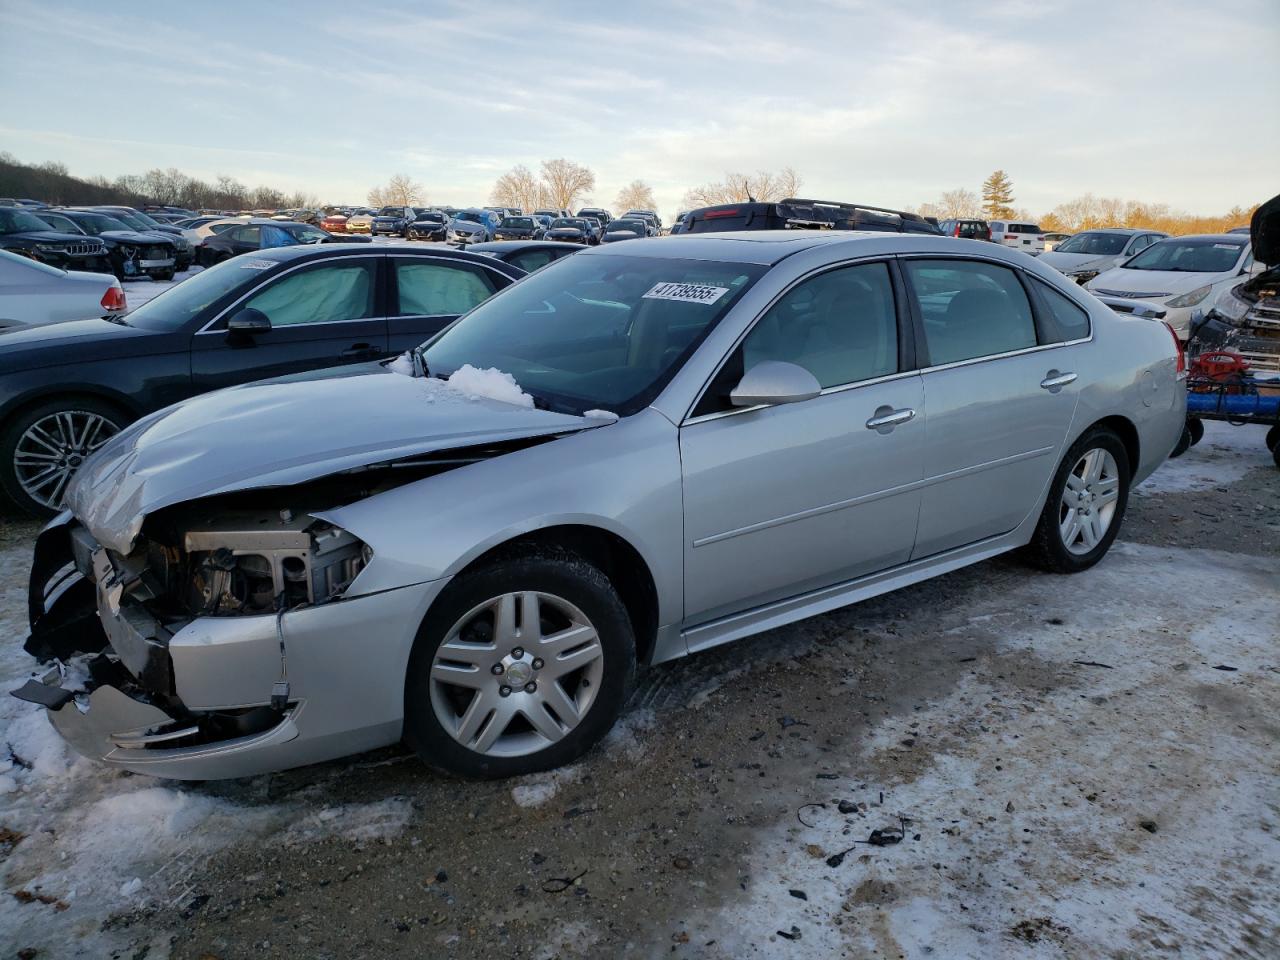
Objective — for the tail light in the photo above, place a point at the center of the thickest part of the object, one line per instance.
(113, 300)
(713, 214)
(1177, 348)
(957, 233)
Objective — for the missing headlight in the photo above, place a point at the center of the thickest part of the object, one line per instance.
(248, 562)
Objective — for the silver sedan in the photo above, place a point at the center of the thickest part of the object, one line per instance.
(634, 454)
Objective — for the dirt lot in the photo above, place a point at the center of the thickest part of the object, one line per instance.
(1077, 767)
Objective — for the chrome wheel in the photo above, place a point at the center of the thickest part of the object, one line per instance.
(50, 451)
(516, 674)
(1089, 501)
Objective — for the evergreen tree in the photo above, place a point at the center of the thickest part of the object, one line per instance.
(997, 196)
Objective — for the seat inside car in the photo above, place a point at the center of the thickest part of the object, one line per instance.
(978, 323)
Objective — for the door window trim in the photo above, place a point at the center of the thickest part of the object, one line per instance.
(373, 261)
(907, 354)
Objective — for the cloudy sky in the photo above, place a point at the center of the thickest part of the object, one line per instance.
(870, 102)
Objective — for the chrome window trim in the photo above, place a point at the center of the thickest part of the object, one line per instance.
(284, 273)
(919, 371)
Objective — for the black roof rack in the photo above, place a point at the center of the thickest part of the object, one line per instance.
(797, 213)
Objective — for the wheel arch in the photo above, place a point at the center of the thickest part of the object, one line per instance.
(21, 404)
(1123, 428)
(615, 557)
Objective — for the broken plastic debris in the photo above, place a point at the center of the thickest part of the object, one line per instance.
(130, 887)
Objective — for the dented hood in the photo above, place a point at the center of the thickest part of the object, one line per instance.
(282, 432)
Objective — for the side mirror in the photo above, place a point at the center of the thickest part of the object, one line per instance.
(248, 321)
(775, 381)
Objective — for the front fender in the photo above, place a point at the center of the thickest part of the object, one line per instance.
(622, 477)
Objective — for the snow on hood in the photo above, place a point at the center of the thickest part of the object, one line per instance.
(288, 431)
(1170, 282)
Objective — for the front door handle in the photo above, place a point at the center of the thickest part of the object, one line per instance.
(1055, 381)
(359, 351)
(886, 418)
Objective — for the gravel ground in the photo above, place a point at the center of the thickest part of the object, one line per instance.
(1077, 767)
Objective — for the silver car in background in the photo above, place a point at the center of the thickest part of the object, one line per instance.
(634, 454)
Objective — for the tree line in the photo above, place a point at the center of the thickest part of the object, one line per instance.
(1086, 212)
(53, 183)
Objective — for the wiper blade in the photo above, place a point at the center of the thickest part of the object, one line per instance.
(419, 362)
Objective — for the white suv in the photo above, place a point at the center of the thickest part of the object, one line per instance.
(1027, 237)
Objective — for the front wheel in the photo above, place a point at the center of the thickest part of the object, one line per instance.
(42, 448)
(1085, 507)
(519, 667)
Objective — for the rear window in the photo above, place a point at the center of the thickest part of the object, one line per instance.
(1024, 228)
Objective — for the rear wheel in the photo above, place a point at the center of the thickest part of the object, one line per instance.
(1273, 438)
(1196, 426)
(1183, 444)
(1086, 505)
(520, 666)
(44, 446)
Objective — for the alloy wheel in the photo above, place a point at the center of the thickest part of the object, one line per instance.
(51, 450)
(1089, 500)
(516, 674)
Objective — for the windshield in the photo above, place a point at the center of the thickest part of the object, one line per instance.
(95, 223)
(468, 216)
(1188, 256)
(431, 218)
(595, 332)
(633, 226)
(567, 224)
(132, 220)
(519, 223)
(19, 221)
(176, 306)
(1094, 244)
(146, 219)
(391, 212)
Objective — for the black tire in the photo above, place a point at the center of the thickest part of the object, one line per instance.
(163, 276)
(1183, 444)
(1275, 454)
(21, 422)
(1196, 426)
(1046, 549)
(551, 572)
(1273, 438)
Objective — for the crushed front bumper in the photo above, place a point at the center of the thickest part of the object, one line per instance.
(193, 700)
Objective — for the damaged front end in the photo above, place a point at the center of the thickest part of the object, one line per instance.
(105, 623)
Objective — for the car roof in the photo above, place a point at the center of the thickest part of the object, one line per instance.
(768, 247)
(1235, 238)
(502, 246)
(1125, 230)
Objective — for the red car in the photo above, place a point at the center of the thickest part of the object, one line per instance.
(334, 223)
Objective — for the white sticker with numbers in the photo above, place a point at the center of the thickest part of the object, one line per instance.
(686, 292)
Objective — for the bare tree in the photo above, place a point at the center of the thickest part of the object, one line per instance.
(400, 191)
(518, 187)
(636, 195)
(566, 182)
(764, 185)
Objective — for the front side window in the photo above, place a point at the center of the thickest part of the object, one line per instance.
(249, 235)
(437, 290)
(321, 295)
(277, 237)
(970, 309)
(841, 326)
(596, 332)
(1070, 318)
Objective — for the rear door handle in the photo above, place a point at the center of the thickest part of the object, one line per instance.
(886, 418)
(1055, 381)
(359, 351)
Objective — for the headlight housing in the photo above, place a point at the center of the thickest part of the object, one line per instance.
(1192, 298)
(1231, 306)
(49, 247)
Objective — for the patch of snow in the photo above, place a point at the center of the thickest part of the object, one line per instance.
(380, 820)
(402, 364)
(1027, 801)
(536, 789)
(1223, 457)
(490, 383)
(600, 415)
(129, 888)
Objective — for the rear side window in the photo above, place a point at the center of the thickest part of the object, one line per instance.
(1070, 319)
(532, 260)
(970, 309)
(438, 290)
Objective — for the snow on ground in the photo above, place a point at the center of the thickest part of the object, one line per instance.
(138, 292)
(1222, 457)
(1047, 845)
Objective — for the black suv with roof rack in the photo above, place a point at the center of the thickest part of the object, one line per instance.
(796, 214)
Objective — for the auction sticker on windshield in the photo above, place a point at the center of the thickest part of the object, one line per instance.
(686, 292)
